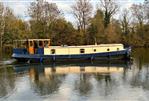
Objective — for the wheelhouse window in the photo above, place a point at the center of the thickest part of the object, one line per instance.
(52, 51)
(31, 43)
(46, 44)
(82, 50)
(40, 43)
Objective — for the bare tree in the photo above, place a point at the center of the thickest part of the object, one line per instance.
(110, 7)
(1, 24)
(43, 14)
(125, 21)
(138, 12)
(51, 12)
(1, 14)
(82, 11)
(146, 5)
(36, 10)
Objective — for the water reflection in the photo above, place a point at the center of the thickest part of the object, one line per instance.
(42, 83)
(48, 79)
(7, 81)
(83, 85)
(140, 71)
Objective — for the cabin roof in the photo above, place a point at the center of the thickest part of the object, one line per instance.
(88, 46)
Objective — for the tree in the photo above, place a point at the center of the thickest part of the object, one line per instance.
(146, 5)
(138, 12)
(65, 34)
(82, 11)
(125, 21)
(15, 28)
(51, 14)
(95, 32)
(1, 23)
(113, 32)
(61, 32)
(110, 7)
(43, 15)
(36, 10)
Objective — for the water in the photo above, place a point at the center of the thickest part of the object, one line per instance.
(86, 81)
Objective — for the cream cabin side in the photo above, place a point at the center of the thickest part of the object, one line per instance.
(110, 47)
(66, 50)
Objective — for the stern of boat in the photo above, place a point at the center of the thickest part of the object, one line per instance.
(128, 53)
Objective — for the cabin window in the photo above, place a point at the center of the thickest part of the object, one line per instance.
(52, 51)
(82, 50)
(94, 50)
(118, 49)
(40, 44)
(108, 49)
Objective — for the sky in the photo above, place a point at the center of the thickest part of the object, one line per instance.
(20, 7)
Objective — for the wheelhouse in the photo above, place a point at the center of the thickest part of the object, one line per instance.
(31, 46)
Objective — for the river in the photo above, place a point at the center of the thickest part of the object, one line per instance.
(84, 81)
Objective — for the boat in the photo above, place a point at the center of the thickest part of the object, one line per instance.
(40, 50)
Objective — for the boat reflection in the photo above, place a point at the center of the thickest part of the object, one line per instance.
(76, 69)
(44, 84)
(48, 79)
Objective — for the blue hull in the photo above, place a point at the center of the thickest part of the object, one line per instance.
(124, 54)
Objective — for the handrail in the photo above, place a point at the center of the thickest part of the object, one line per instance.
(34, 40)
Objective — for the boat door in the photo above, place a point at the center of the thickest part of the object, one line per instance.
(31, 47)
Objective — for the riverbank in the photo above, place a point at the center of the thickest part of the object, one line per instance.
(7, 62)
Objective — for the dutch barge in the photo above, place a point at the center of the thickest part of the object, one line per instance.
(40, 50)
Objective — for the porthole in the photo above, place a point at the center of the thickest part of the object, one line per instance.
(52, 51)
(108, 49)
(82, 50)
(94, 50)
